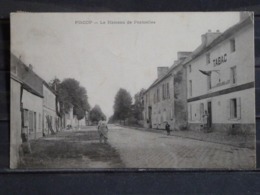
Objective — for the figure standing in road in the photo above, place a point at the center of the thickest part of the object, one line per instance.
(205, 120)
(167, 128)
(102, 131)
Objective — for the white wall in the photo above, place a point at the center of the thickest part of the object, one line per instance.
(221, 109)
(34, 103)
(49, 108)
(242, 58)
(15, 123)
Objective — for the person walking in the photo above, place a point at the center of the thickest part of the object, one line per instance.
(102, 131)
(167, 128)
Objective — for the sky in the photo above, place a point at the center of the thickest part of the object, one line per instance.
(104, 51)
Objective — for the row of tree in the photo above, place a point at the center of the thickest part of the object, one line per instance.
(71, 94)
(125, 109)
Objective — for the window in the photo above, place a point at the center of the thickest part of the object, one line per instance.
(235, 108)
(233, 78)
(189, 68)
(167, 91)
(158, 94)
(208, 58)
(154, 98)
(31, 124)
(232, 45)
(40, 121)
(25, 118)
(163, 91)
(190, 87)
(190, 114)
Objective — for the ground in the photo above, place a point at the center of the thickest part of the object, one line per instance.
(131, 148)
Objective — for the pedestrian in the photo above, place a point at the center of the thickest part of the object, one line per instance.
(102, 131)
(167, 128)
(205, 120)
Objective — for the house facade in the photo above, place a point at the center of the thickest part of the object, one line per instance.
(165, 100)
(31, 98)
(220, 80)
(214, 82)
(50, 117)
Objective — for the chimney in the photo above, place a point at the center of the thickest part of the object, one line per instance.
(31, 67)
(161, 71)
(209, 36)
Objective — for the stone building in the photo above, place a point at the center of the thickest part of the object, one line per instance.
(165, 100)
(220, 79)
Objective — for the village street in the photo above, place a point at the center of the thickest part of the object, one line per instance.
(129, 148)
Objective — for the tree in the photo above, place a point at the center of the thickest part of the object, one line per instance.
(122, 105)
(138, 106)
(96, 114)
(70, 93)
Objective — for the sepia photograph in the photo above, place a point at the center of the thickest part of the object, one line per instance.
(132, 90)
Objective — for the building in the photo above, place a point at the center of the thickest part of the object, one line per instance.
(31, 98)
(16, 122)
(50, 117)
(34, 109)
(165, 100)
(216, 80)
(220, 79)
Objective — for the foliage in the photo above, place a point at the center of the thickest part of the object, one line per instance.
(71, 94)
(138, 106)
(96, 114)
(122, 105)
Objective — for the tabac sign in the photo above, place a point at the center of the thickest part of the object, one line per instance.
(220, 60)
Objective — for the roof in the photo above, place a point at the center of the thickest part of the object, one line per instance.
(31, 90)
(27, 80)
(202, 48)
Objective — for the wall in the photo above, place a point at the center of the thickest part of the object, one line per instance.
(15, 123)
(49, 109)
(172, 109)
(35, 104)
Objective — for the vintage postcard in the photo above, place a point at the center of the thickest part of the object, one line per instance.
(132, 90)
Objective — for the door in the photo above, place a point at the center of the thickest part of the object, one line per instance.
(210, 114)
(150, 117)
(34, 124)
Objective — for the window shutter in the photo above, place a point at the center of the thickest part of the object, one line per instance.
(239, 108)
(228, 109)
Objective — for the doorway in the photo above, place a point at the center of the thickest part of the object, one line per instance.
(210, 114)
(150, 116)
